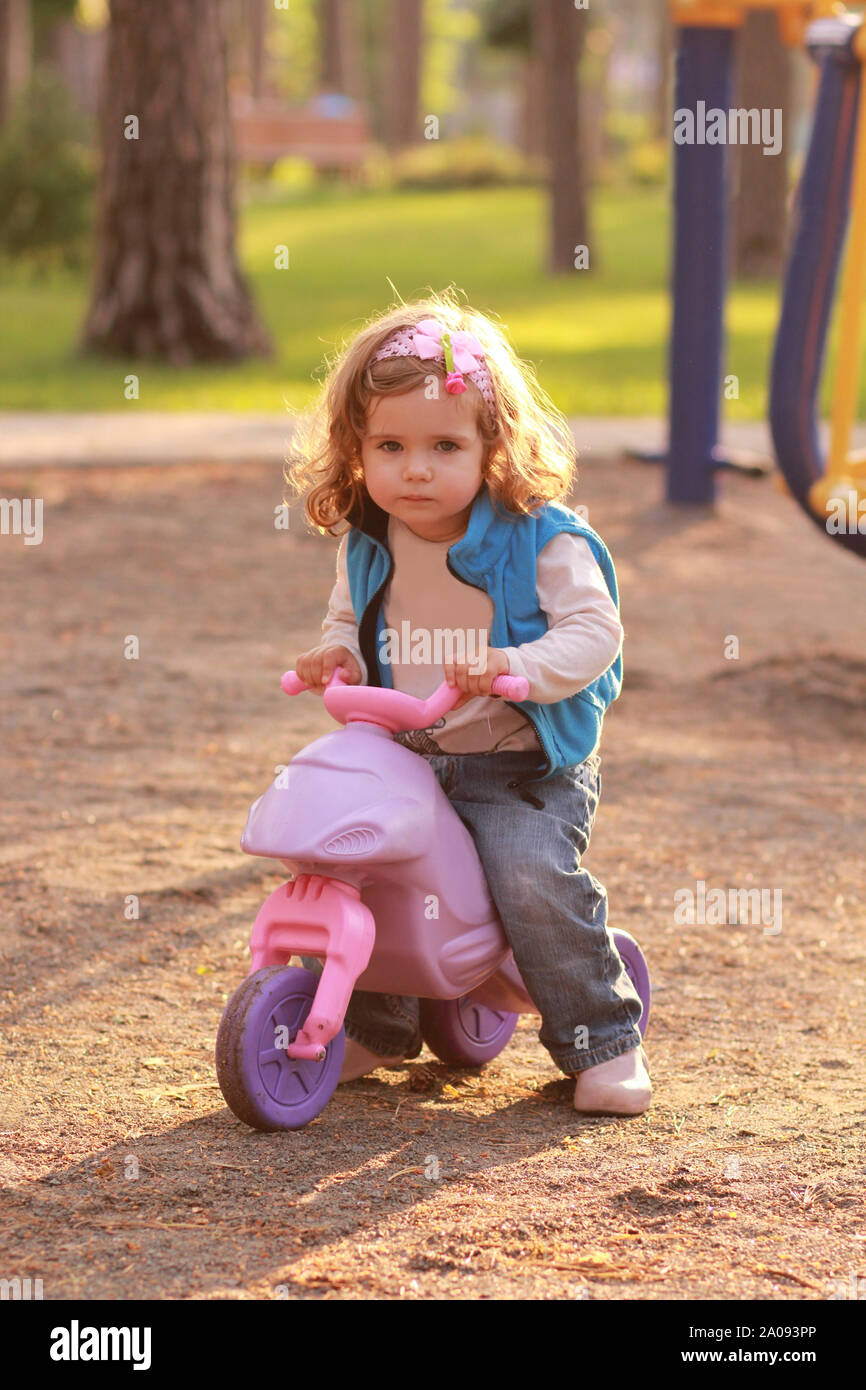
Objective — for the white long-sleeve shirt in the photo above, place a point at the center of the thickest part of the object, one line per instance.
(423, 596)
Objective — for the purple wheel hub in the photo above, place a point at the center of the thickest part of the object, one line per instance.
(638, 972)
(463, 1031)
(261, 1083)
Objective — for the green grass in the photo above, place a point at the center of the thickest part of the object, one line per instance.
(598, 338)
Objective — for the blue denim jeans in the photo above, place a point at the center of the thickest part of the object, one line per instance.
(553, 911)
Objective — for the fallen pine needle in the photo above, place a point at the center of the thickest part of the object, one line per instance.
(784, 1274)
(175, 1092)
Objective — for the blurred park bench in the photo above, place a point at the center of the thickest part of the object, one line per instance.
(331, 131)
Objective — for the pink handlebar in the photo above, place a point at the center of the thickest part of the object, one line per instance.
(511, 687)
(293, 685)
(393, 709)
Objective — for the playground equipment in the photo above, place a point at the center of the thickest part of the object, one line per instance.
(388, 891)
(704, 68)
(831, 488)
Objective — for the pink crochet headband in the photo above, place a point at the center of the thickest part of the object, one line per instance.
(462, 353)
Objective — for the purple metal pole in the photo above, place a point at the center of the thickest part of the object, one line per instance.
(703, 81)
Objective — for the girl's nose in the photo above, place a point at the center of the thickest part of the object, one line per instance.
(417, 467)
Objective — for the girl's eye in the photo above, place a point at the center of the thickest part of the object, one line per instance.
(391, 446)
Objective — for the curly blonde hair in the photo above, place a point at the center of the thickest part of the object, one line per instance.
(529, 457)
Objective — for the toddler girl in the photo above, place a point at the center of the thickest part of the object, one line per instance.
(443, 459)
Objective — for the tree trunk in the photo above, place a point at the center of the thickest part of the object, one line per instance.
(257, 18)
(404, 72)
(340, 47)
(16, 51)
(354, 75)
(761, 181)
(167, 283)
(561, 32)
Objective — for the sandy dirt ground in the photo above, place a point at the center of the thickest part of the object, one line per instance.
(123, 1173)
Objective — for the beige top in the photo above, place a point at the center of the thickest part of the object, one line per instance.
(431, 614)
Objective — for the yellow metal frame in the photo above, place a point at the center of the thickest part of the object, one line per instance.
(792, 15)
(845, 471)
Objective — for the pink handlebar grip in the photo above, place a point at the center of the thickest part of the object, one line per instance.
(512, 687)
(293, 685)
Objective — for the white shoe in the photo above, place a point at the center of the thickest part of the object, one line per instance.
(618, 1087)
(358, 1061)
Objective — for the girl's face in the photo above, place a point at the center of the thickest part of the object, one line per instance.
(423, 460)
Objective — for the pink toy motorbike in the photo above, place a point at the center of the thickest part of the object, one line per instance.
(388, 891)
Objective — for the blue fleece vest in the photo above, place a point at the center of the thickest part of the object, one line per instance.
(498, 554)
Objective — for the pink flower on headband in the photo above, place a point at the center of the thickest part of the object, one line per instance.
(466, 348)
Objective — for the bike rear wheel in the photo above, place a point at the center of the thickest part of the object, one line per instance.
(464, 1032)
